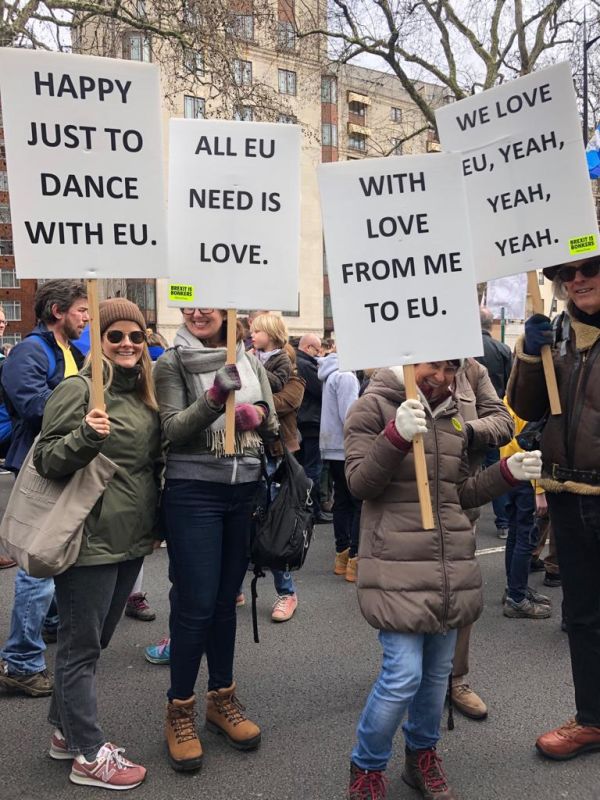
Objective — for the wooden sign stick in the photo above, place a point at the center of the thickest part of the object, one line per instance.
(95, 345)
(419, 451)
(549, 373)
(230, 404)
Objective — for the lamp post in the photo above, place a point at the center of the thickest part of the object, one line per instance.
(586, 46)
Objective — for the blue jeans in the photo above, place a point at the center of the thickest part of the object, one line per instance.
(207, 531)
(498, 503)
(414, 679)
(521, 541)
(24, 649)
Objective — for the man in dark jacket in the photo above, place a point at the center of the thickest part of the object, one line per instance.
(309, 418)
(31, 371)
(497, 359)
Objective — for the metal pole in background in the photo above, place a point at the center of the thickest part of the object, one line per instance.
(502, 324)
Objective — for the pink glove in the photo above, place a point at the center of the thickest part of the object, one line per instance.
(247, 417)
(227, 379)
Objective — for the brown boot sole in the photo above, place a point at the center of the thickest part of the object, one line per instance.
(249, 744)
(470, 714)
(587, 748)
(189, 765)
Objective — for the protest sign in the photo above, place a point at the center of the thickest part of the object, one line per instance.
(234, 214)
(526, 177)
(401, 274)
(505, 297)
(84, 155)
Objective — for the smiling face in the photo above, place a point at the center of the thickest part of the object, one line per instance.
(583, 292)
(125, 353)
(434, 378)
(205, 324)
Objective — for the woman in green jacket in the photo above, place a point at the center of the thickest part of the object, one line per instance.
(118, 533)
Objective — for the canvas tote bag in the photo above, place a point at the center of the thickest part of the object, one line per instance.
(43, 522)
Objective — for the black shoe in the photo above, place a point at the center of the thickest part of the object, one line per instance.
(323, 518)
(563, 625)
(552, 579)
(536, 565)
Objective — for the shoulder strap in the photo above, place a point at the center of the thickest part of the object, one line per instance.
(50, 354)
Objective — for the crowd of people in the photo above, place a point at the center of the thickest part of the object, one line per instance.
(487, 436)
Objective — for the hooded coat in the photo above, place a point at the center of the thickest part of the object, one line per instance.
(411, 580)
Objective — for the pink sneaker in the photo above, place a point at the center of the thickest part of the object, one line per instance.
(58, 747)
(109, 771)
(284, 607)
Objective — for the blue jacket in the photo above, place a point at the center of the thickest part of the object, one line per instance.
(27, 388)
(340, 390)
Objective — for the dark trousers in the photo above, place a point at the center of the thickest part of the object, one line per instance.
(90, 604)
(498, 503)
(208, 530)
(522, 539)
(309, 456)
(576, 522)
(346, 511)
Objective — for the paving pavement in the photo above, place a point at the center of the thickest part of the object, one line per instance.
(305, 683)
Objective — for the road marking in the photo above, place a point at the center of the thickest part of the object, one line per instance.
(489, 550)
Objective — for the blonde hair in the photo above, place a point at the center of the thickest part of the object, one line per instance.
(273, 326)
(145, 384)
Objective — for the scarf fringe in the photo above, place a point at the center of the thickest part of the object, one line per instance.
(245, 440)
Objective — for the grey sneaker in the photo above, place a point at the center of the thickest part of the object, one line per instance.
(526, 609)
(38, 684)
(531, 594)
(502, 533)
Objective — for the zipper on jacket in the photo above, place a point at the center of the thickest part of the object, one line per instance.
(441, 534)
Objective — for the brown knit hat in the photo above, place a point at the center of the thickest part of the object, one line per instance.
(119, 308)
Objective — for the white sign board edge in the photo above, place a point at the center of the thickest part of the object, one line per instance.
(543, 200)
(247, 254)
(353, 224)
(76, 112)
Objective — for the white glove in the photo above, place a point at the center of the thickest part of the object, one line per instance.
(410, 419)
(525, 466)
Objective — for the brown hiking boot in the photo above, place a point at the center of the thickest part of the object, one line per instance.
(341, 562)
(568, 741)
(424, 772)
(366, 784)
(183, 744)
(225, 715)
(36, 684)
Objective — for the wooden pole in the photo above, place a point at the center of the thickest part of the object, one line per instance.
(549, 373)
(230, 404)
(410, 384)
(95, 346)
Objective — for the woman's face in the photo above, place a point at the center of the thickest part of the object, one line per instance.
(204, 323)
(583, 292)
(434, 378)
(127, 351)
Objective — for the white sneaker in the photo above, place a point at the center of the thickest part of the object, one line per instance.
(109, 771)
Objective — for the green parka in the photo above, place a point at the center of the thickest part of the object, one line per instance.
(122, 524)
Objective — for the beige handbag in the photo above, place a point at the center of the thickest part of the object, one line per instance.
(43, 522)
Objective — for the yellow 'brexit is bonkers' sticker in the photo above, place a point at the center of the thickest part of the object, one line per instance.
(179, 291)
(456, 423)
(582, 244)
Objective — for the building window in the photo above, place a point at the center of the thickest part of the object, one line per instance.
(327, 310)
(359, 109)
(6, 247)
(329, 137)
(9, 280)
(12, 310)
(2, 150)
(286, 36)
(287, 119)
(191, 15)
(328, 89)
(193, 61)
(554, 306)
(140, 9)
(397, 147)
(136, 47)
(295, 313)
(4, 212)
(395, 114)
(287, 81)
(193, 107)
(3, 181)
(244, 113)
(242, 72)
(242, 27)
(10, 338)
(356, 141)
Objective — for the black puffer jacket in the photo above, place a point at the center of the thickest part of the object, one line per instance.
(309, 413)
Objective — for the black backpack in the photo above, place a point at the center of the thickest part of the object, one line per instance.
(282, 527)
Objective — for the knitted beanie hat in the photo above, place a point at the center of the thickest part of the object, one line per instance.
(119, 308)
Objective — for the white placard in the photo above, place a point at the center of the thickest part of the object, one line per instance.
(234, 214)
(528, 189)
(507, 295)
(399, 261)
(84, 161)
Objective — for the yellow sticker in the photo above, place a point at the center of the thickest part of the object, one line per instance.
(582, 244)
(180, 291)
(456, 424)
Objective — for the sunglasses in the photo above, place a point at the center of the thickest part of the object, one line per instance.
(189, 312)
(567, 274)
(135, 337)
